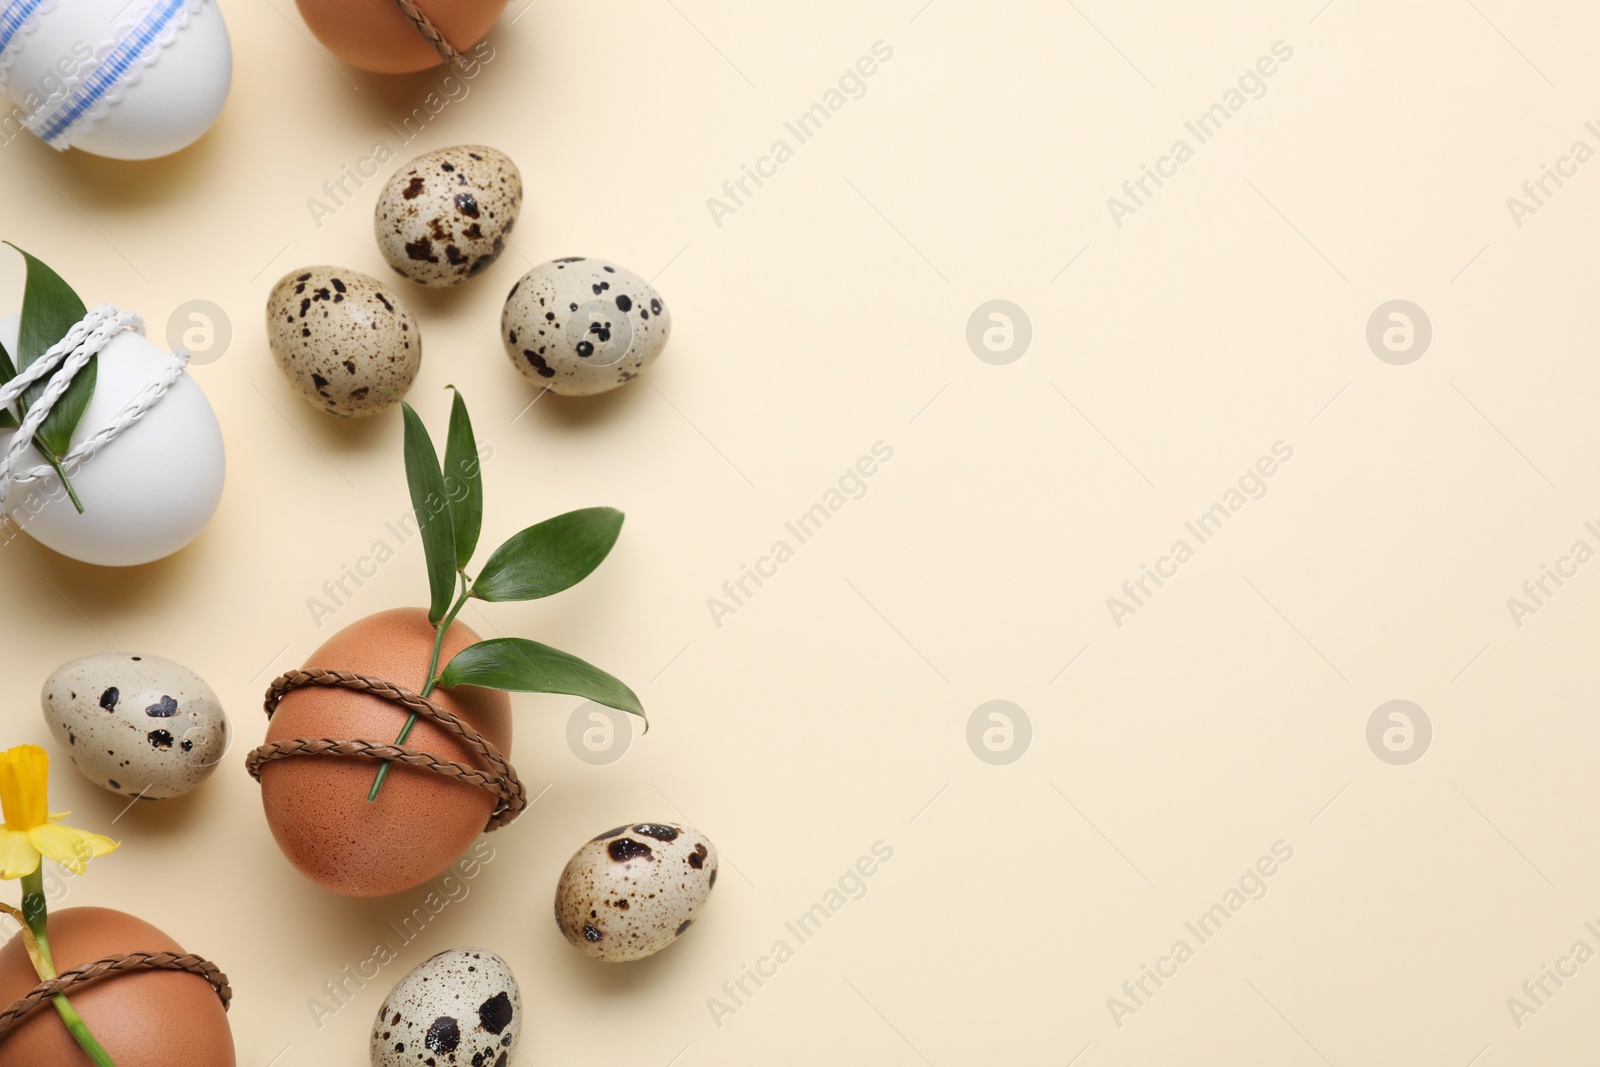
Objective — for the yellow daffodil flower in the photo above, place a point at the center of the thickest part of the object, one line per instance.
(31, 829)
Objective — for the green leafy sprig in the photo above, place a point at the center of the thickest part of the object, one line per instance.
(544, 559)
(49, 309)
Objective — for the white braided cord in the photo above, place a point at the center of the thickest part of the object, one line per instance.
(60, 363)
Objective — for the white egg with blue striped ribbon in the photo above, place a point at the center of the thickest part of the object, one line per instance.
(126, 80)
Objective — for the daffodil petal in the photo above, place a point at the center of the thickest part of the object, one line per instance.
(24, 771)
(18, 856)
(57, 816)
(71, 848)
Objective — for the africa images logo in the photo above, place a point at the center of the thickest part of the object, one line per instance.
(1252, 85)
(851, 85)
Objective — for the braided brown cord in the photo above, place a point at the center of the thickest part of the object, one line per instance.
(501, 779)
(115, 965)
(419, 18)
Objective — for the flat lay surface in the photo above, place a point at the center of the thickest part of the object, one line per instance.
(1110, 550)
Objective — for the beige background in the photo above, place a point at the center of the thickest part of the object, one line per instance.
(830, 712)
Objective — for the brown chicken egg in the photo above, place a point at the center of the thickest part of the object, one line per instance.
(421, 822)
(141, 1018)
(377, 35)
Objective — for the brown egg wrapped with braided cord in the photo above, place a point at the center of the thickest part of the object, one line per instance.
(402, 36)
(421, 822)
(143, 1018)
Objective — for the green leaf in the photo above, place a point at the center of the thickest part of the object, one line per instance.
(551, 556)
(8, 371)
(461, 467)
(523, 666)
(49, 309)
(432, 508)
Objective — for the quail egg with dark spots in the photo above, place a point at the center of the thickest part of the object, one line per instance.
(582, 326)
(445, 216)
(344, 340)
(460, 1007)
(141, 726)
(634, 890)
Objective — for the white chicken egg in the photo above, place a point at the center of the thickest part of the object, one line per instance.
(126, 80)
(148, 492)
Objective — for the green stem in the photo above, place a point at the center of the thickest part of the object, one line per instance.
(432, 679)
(61, 472)
(54, 460)
(80, 1031)
(36, 911)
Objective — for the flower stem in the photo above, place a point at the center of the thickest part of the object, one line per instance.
(427, 686)
(36, 911)
(80, 1032)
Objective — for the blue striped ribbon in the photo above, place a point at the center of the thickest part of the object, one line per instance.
(105, 76)
(13, 18)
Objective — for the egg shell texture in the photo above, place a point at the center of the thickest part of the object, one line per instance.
(444, 217)
(421, 822)
(142, 726)
(374, 35)
(146, 494)
(461, 1007)
(142, 1018)
(581, 326)
(634, 890)
(342, 338)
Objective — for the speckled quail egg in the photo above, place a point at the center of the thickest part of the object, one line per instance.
(137, 725)
(342, 338)
(460, 1007)
(580, 326)
(445, 216)
(634, 890)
